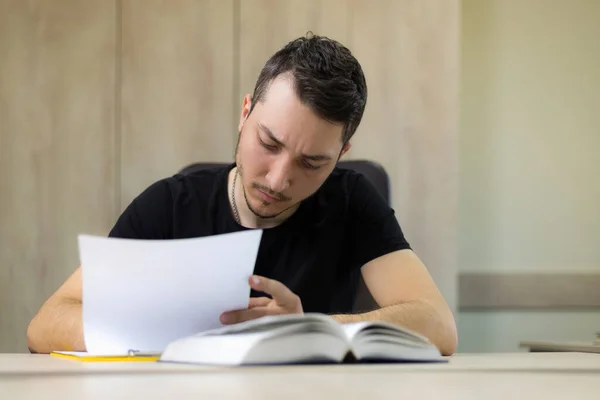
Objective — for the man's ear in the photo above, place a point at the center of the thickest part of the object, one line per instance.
(345, 149)
(246, 107)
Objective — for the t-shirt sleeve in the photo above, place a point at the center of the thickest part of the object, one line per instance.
(375, 231)
(148, 216)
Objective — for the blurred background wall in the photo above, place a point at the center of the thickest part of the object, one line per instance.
(485, 113)
(98, 99)
(529, 207)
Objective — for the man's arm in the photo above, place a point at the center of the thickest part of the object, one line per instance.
(408, 296)
(58, 325)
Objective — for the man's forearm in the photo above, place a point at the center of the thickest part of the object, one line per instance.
(58, 326)
(417, 316)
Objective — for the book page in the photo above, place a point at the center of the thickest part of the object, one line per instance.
(142, 294)
(289, 322)
(380, 328)
(380, 340)
(351, 329)
(272, 339)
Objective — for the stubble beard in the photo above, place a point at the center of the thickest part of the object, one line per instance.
(240, 171)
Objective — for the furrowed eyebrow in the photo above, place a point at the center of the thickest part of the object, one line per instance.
(271, 136)
(268, 132)
(316, 158)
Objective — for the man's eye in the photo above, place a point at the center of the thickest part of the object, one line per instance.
(308, 165)
(268, 146)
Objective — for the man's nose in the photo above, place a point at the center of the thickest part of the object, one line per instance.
(279, 176)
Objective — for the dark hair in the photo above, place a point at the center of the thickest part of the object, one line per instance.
(326, 77)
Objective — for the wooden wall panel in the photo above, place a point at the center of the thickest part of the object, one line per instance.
(177, 88)
(57, 140)
(409, 51)
(99, 99)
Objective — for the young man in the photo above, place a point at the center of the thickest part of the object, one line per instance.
(322, 225)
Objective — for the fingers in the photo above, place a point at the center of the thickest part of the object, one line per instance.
(284, 302)
(258, 302)
(234, 317)
(283, 296)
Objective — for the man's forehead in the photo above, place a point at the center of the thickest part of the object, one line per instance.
(316, 152)
(284, 114)
(282, 118)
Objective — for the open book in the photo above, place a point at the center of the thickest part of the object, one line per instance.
(301, 339)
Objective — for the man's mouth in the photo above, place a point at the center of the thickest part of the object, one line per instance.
(267, 197)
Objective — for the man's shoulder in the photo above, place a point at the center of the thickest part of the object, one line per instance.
(343, 183)
(199, 183)
(347, 193)
(342, 178)
(334, 199)
(175, 206)
(184, 188)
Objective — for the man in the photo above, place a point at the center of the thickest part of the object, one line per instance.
(322, 225)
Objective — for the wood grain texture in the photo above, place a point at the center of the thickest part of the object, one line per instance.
(177, 88)
(57, 145)
(409, 51)
(99, 99)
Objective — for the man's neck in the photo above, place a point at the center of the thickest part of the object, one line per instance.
(245, 216)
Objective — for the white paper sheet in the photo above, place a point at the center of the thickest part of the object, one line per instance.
(142, 294)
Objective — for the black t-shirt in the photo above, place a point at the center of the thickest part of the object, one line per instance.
(317, 252)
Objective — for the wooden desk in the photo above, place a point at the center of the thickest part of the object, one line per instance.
(477, 376)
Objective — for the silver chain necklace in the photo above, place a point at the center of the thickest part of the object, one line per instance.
(234, 205)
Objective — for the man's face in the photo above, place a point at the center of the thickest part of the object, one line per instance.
(285, 151)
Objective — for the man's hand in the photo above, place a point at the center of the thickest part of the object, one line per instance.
(284, 301)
